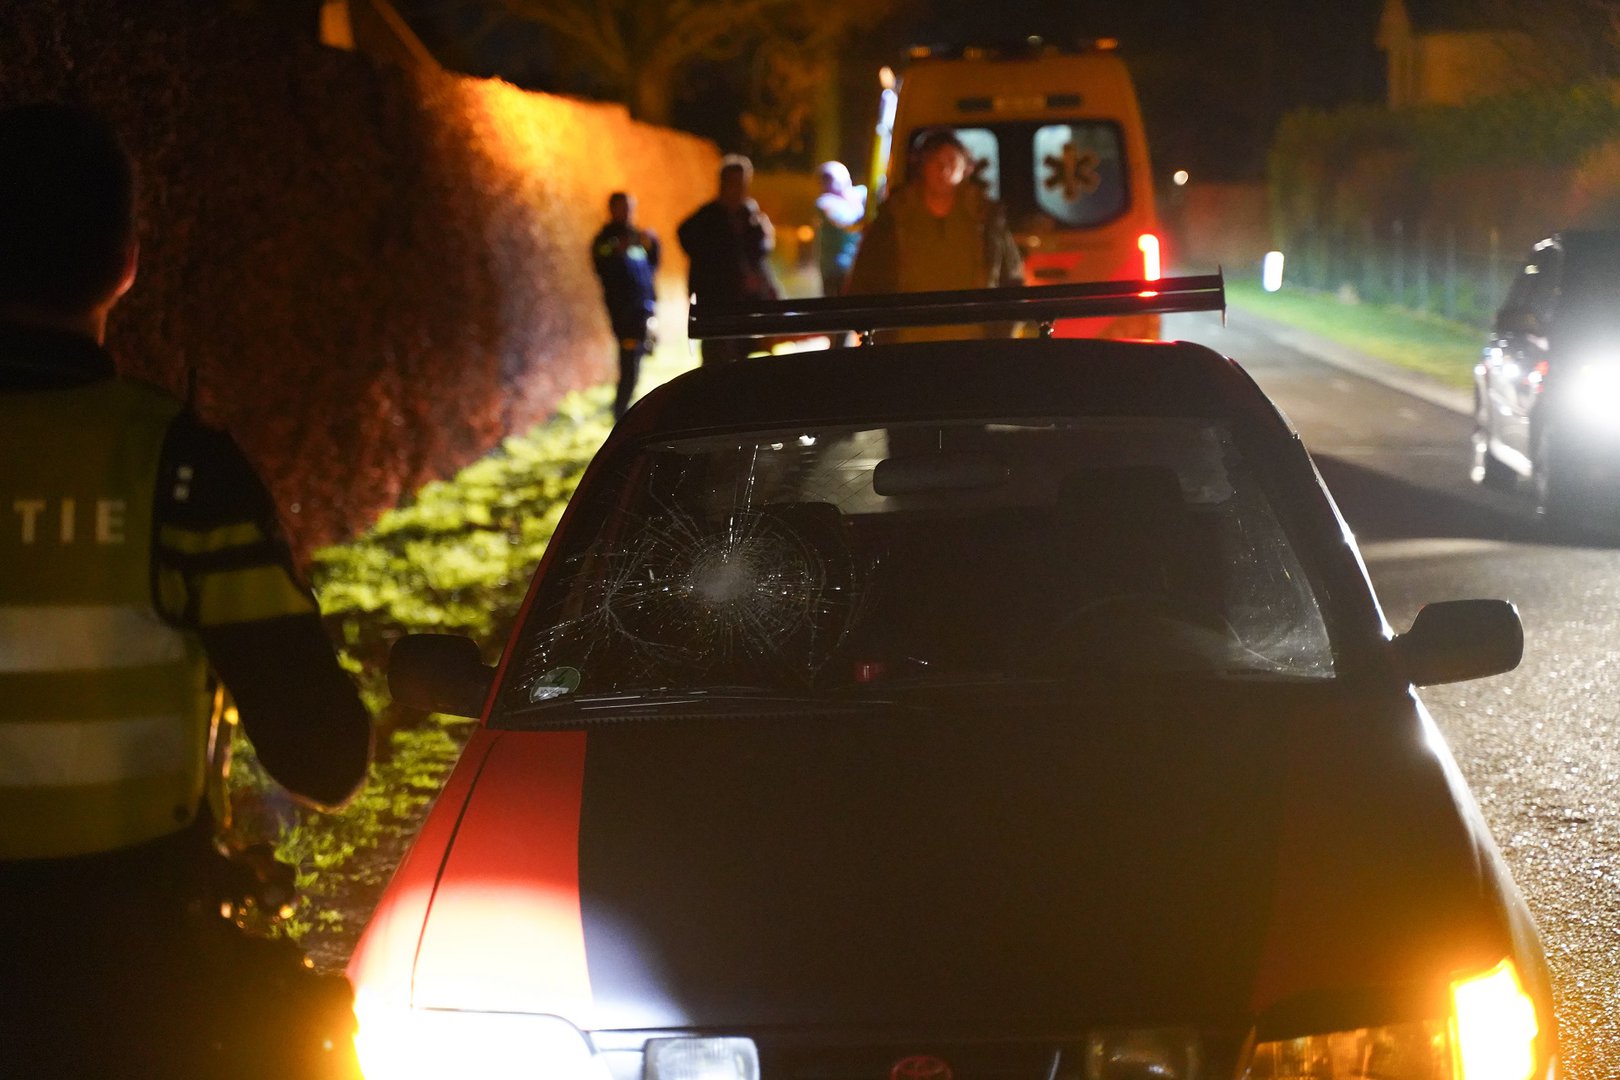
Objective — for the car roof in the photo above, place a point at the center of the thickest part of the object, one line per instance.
(955, 379)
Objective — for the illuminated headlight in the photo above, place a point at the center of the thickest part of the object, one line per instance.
(396, 1043)
(702, 1059)
(1493, 1024)
(1491, 1035)
(1594, 390)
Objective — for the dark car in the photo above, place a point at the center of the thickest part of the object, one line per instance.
(981, 710)
(1547, 390)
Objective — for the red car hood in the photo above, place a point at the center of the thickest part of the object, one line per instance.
(1186, 855)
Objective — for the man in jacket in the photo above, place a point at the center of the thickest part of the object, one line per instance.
(727, 242)
(626, 260)
(937, 232)
(138, 549)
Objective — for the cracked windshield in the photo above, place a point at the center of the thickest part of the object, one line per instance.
(831, 558)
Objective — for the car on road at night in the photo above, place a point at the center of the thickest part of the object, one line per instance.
(1547, 389)
(943, 711)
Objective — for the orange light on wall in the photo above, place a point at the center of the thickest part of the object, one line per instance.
(1148, 244)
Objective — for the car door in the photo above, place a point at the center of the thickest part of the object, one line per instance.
(1516, 363)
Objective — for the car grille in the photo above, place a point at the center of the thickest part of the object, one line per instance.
(980, 1062)
(1213, 1057)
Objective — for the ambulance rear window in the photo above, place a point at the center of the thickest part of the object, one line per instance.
(1069, 175)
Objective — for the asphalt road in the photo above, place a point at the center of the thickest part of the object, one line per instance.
(1540, 746)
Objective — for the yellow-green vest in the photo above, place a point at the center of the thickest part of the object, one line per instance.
(103, 707)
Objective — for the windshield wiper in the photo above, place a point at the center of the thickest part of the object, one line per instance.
(584, 708)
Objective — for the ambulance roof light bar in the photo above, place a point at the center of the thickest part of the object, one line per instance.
(1042, 304)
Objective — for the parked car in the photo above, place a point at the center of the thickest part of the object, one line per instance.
(993, 709)
(1547, 390)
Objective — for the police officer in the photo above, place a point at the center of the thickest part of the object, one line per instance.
(137, 549)
(626, 260)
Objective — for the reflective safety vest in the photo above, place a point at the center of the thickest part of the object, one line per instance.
(103, 709)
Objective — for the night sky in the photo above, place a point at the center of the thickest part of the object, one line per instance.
(1214, 75)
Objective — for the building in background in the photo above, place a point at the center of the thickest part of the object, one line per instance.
(1442, 52)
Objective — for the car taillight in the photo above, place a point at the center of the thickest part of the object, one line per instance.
(1152, 270)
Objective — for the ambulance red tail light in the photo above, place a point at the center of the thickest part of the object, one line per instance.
(1152, 267)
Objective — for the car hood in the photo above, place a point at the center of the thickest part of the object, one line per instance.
(1176, 855)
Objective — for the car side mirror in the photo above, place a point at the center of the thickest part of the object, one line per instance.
(440, 673)
(1460, 639)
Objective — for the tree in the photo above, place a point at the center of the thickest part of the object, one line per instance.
(643, 52)
(640, 48)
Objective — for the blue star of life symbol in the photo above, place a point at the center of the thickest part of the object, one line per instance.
(1075, 172)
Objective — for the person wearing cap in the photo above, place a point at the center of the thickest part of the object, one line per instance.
(937, 232)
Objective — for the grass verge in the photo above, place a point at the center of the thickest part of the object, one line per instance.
(1427, 344)
(456, 559)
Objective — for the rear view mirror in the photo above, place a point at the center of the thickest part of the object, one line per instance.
(919, 473)
(440, 673)
(1459, 640)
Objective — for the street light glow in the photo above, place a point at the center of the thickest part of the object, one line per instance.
(1180, 178)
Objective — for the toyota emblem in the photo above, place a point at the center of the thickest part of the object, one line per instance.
(920, 1067)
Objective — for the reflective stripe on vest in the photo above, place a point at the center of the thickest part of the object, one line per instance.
(103, 712)
(85, 637)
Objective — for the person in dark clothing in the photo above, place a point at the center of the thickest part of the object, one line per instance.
(727, 242)
(138, 550)
(626, 259)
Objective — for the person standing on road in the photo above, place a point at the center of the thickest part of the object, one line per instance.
(138, 549)
(839, 210)
(727, 241)
(626, 260)
(937, 232)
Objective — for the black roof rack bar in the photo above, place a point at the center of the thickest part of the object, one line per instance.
(1028, 304)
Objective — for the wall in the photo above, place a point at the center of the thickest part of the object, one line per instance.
(370, 275)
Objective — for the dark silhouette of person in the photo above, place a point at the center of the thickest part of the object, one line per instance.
(727, 241)
(626, 259)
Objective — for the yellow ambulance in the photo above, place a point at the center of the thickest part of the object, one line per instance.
(1056, 137)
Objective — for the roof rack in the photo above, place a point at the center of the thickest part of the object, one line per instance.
(1041, 304)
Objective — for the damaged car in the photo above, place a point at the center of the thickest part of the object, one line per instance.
(1009, 709)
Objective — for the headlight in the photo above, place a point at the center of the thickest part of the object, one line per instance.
(1420, 1051)
(702, 1059)
(1594, 391)
(399, 1043)
(1494, 1026)
(1491, 1035)
(1162, 1054)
